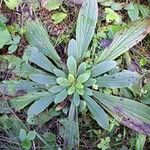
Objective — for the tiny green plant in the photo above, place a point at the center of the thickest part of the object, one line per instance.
(49, 81)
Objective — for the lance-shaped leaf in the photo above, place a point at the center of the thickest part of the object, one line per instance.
(118, 80)
(18, 66)
(126, 39)
(71, 137)
(86, 24)
(73, 49)
(12, 87)
(39, 59)
(61, 96)
(38, 106)
(103, 67)
(22, 101)
(38, 37)
(82, 68)
(131, 113)
(99, 114)
(72, 65)
(43, 79)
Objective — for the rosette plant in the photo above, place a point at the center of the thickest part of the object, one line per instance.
(47, 80)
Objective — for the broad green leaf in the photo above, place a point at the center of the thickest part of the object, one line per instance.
(133, 11)
(82, 68)
(71, 136)
(59, 73)
(72, 65)
(56, 89)
(38, 37)
(22, 101)
(43, 79)
(131, 113)
(39, 59)
(99, 114)
(61, 96)
(52, 4)
(126, 39)
(118, 80)
(63, 81)
(111, 16)
(83, 77)
(76, 99)
(73, 49)
(103, 67)
(86, 24)
(12, 4)
(58, 17)
(144, 10)
(40, 105)
(31, 135)
(4, 37)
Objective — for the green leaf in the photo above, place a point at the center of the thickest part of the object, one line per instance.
(63, 81)
(58, 17)
(144, 10)
(22, 135)
(103, 67)
(133, 11)
(39, 59)
(71, 78)
(86, 24)
(11, 87)
(4, 107)
(131, 113)
(73, 49)
(76, 99)
(98, 113)
(82, 68)
(12, 4)
(31, 135)
(88, 91)
(111, 16)
(56, 89)
(26, 144)
(140, 142)
(52, 4)
(72, 65)
(126, 39)
(61, 96)
(12, 48)
(4, 38)
(90, 82)
(71, 90)
(22, 101)
(59, 73)
(83, 77)
(38, 37)
(71, 134)
(43, 79)
(118, 80)
(40, 105)
(80, 91)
